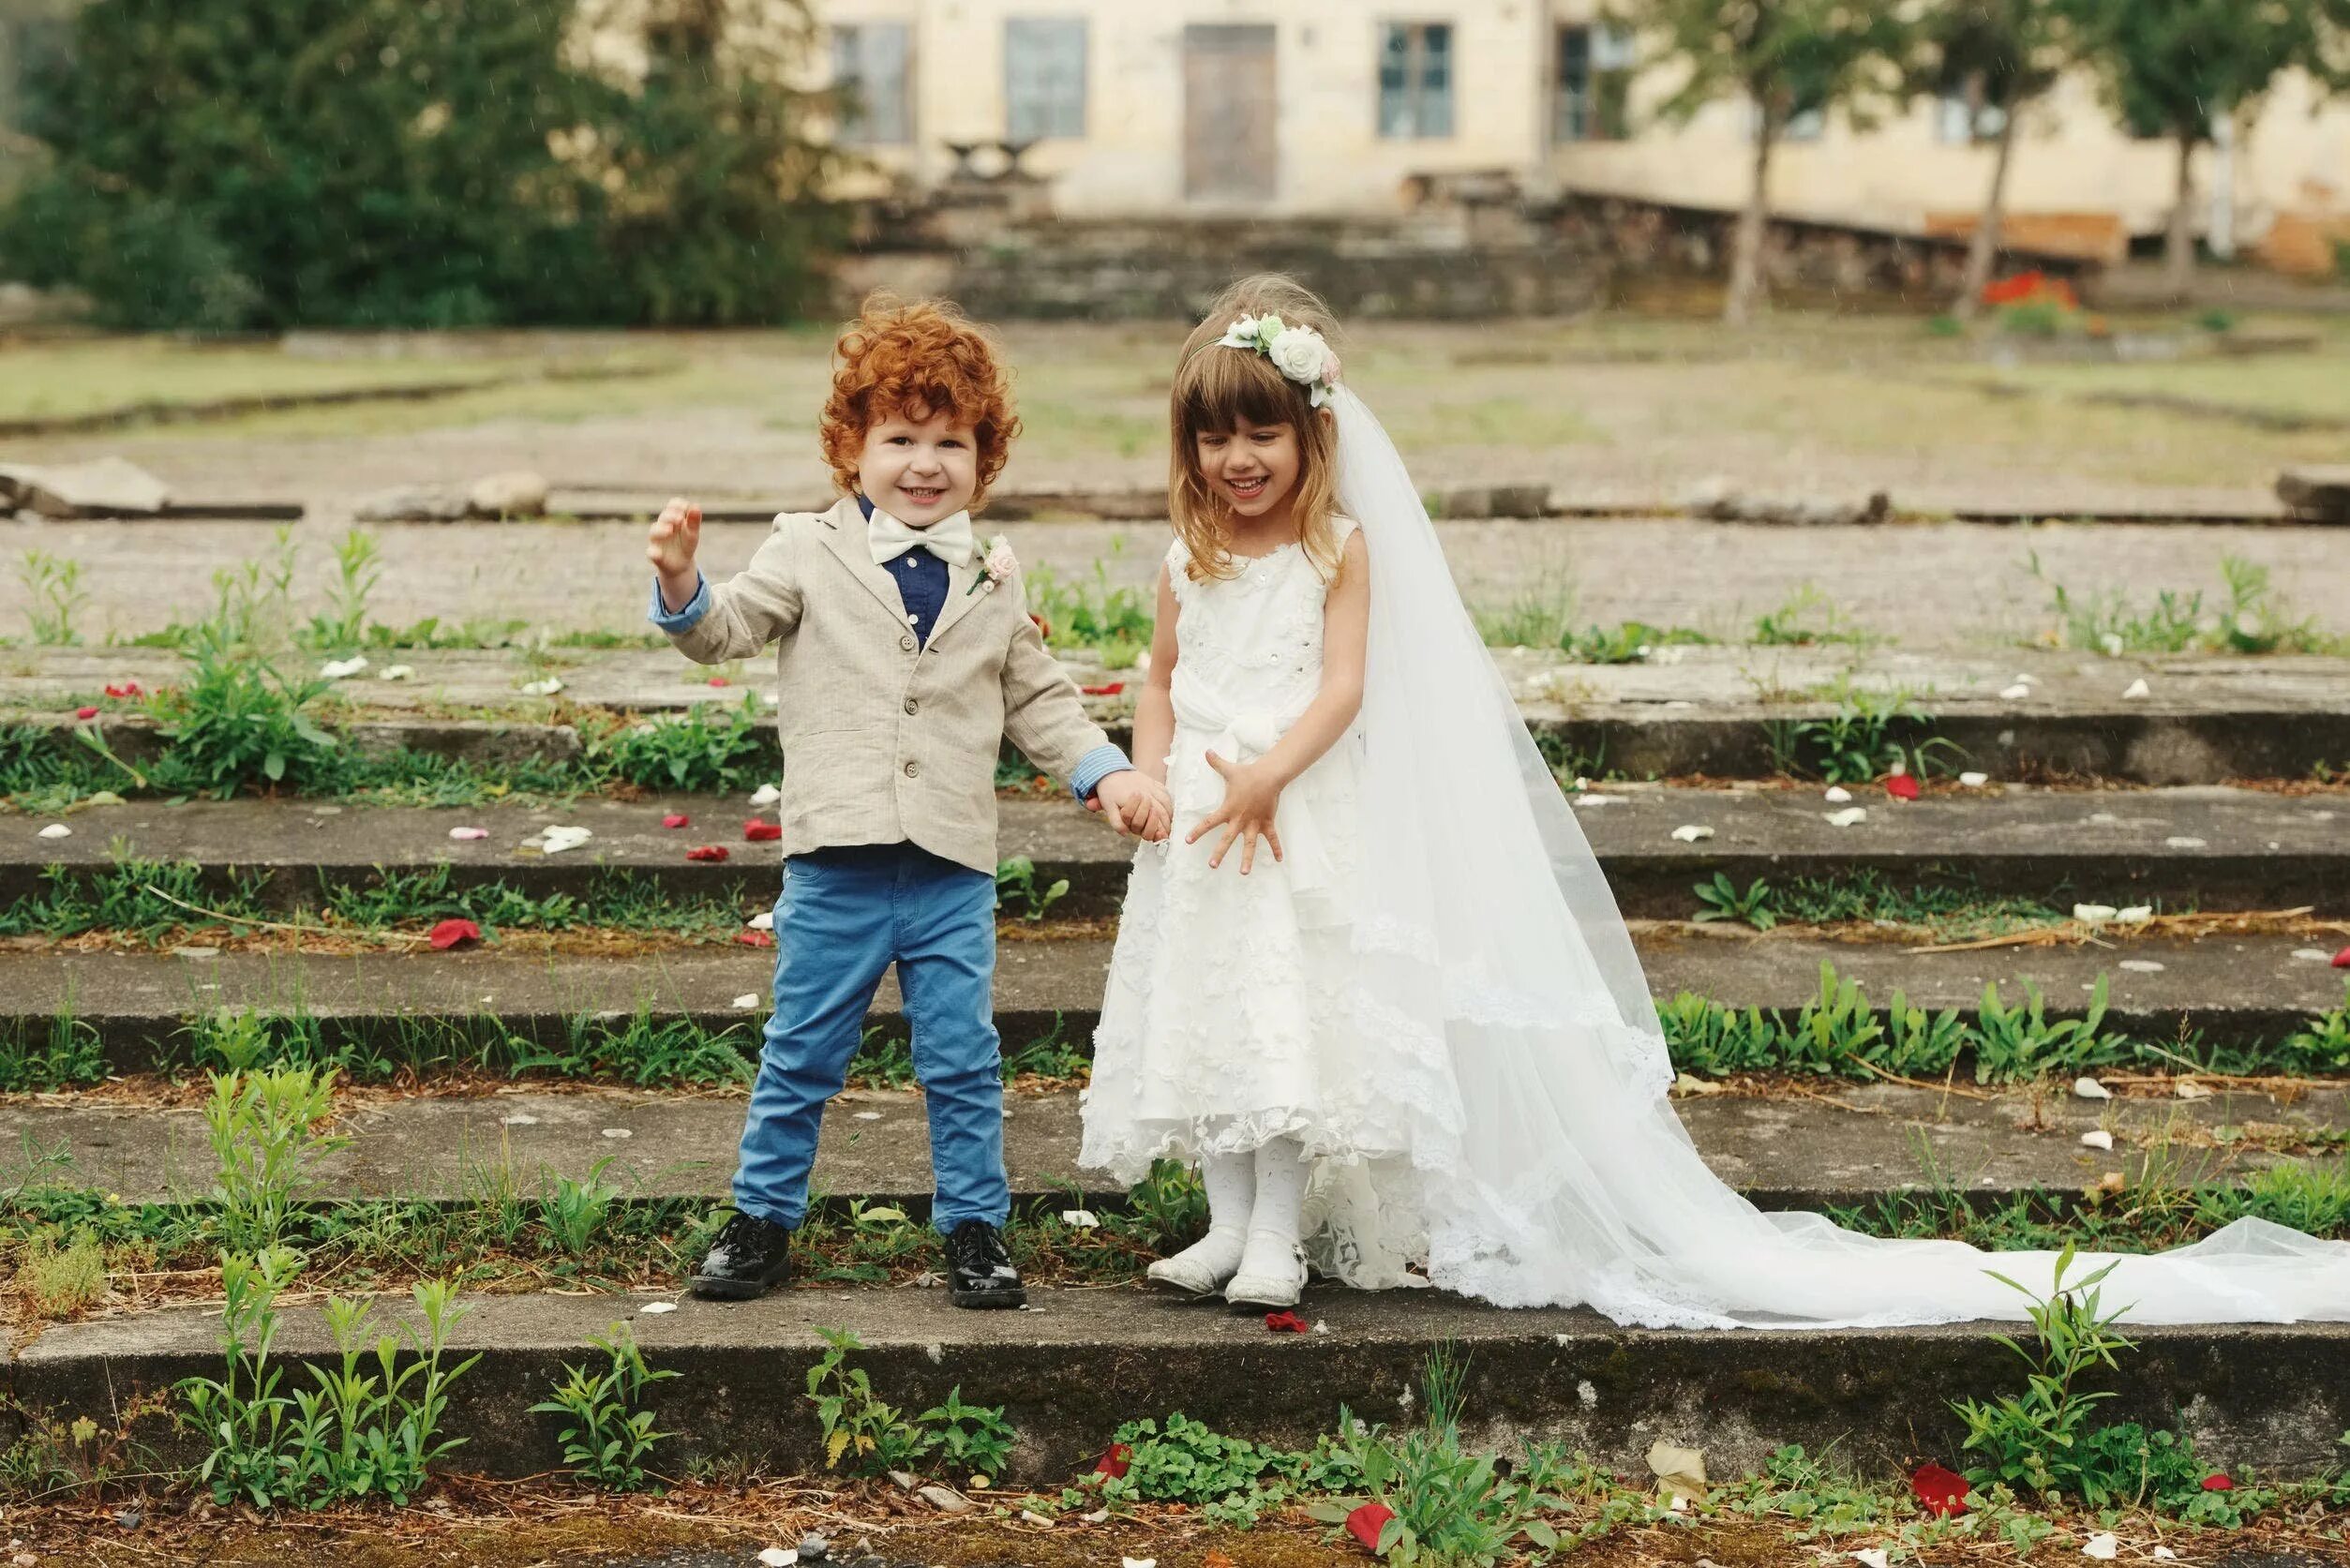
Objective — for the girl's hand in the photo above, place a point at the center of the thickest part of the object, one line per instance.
(670, 546)
(1251, 795)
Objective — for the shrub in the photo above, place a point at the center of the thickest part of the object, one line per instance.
(224, 164)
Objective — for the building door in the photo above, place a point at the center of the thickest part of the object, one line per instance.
(1231, 149)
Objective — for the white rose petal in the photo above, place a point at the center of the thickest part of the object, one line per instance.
(2016, 692)
(1692, 832)
(2165, 1554)
(1848, 816)
(618, 1132)
(2088, 1088)
(397, 672)
(2315, 955)
(747, 1001)
(554, 841)
(2094, 914)
(763, 920)
(2102, 1546)
(1837, 795)
(546, 688)
(2134, 913)
(766, 795)
(1974, 780)
(2187, 1088)
(655, 1308)
(1600, 800)
(467, 835)
(2135, 689)
(520, 1118)
(1871, 1557)
(2141, 966)
(777, 1556)
(2182, 841)
(1138, 1563)
(868, 1115)
(56, 830)
(336, 669)
(1082, 1219)
(2111, 643)
(2098, 1139)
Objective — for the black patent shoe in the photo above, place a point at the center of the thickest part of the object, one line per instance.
(750, 1257)
(978, 1270)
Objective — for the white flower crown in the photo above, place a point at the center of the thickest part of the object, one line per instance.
(1300, 354)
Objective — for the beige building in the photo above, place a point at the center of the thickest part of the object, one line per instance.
(1332, 107)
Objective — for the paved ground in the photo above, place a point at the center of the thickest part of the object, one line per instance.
(2198, 847)
(1979, 591)
(1841, 1144)
(2227, 988)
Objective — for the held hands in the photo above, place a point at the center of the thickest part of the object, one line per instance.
(1137, 803)
(1251, 795)
(670, 546)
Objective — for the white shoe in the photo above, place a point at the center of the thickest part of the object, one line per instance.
(1202, 1268)
(1271, 1276)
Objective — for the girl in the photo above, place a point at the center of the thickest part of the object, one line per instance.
(1413, 1030)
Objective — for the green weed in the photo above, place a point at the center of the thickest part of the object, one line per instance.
(54, 596)
(710, 748)
(611, 1434)
(1016, 886)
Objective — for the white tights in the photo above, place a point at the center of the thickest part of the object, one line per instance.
(1253, 1199)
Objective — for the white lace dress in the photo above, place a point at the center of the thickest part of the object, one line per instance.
(1228, 1018)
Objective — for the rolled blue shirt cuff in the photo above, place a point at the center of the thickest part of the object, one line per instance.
(1094, 767)
(684, 619)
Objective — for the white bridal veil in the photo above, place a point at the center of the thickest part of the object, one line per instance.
(1559, 1175)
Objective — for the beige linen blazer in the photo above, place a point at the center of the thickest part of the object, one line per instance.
(885, 739)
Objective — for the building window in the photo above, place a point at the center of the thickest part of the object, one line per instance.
(1044, 77)
(1962, 114)
(1416, 79)
(872, 68)
(1595, 85)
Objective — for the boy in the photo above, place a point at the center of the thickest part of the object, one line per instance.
(906, 657)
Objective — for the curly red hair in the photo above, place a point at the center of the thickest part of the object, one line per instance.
(926, 355)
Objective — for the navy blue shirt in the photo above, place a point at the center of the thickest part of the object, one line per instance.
(921, 579)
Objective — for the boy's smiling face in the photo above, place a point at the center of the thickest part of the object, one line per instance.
(918, 467)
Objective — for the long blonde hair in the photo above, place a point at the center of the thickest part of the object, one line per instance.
(1216, 388)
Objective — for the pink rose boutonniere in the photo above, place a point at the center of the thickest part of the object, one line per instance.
(995, 563)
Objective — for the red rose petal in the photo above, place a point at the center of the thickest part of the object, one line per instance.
(2218, 1484)
(1113, 1461)
(719, 680)
(762, 832)
(1901, 787)
(1367, 1523)
(86, 712)
(451, 934)
(1112, 689)
(754, 939)
(127, 688)
(677, 819)
(2341, 959)
(707, 852)
(1943, 1490)
(1286, 1323)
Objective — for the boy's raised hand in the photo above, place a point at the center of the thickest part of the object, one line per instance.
(670, 546)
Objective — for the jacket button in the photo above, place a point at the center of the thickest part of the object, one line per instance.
(906, 642)
(913, 769)
(910, 705)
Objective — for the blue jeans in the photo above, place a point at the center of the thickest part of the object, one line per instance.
(845, 915)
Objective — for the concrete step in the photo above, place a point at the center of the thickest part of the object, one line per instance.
(1079, 1362)
(2226, 987)
(1709, 710)
(2203, 848)
(1790, 1146)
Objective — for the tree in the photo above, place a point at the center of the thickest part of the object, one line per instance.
(2175, 67)
(239, 164)
(1788, 58)
(1997, 57)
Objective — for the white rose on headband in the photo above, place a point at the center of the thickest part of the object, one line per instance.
(1300, 354)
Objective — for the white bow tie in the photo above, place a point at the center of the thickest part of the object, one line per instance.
(948, 539)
